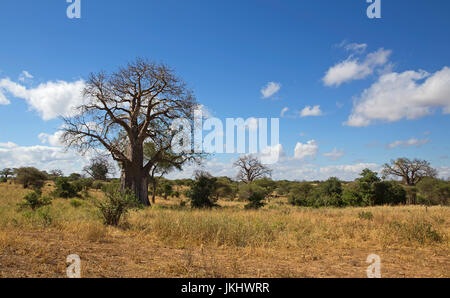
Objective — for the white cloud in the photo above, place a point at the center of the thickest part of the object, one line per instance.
(271, 154)
(284, 111)
(335, 154)
(52, 140)
(409, 143)
(356, 47)
(306, 151)
(311, 111)
(50, 99)
(353, 69)
(8, 145)
(25, 75)
(401, 95)
(43, 158)
(270, 89)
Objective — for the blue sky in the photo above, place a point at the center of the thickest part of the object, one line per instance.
(389, 75)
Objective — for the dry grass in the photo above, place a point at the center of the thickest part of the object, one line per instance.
(170, 241)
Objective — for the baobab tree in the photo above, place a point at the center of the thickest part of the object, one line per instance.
(411, 171)
(7, 172)
(124, 110)
(251, 169)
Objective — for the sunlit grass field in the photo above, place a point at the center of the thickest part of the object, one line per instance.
(171, 240)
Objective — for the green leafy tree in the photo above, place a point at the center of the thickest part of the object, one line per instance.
(30, 177)
(99, 168)
(202, 191)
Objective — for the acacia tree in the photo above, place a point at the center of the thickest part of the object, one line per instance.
(125, 109)
(411, 171)
(168, 162)
(251, 169)
(99, 168)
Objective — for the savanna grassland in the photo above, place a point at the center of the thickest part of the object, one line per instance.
(172, 240)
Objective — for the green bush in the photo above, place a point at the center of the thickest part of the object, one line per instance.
(76, 203)
(299, 194)
(433, 191)
(389, 193)
(116, 204)
(97, 185)
(202, 191)
(254, 194)
(35, 200)
(83, 184)
(65, 189)
(365, 215)
(30, 178)
(3, 180)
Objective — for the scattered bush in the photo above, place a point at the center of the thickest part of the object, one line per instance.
(35, 200)
(65, 189)
(300, 193)
(97, 185)
(202, 191)
(433, 191)
(254, 194)
(3, 180)
(365, 215)
(116, 204)
(76, 203)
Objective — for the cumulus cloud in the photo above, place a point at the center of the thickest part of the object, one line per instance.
(335, 154)
(306, 151)
(397, 96)
(409, 143)
(284, 111)
(354, 69)
(311, 111)
(50, 99)
(42, 157)
(270, 89)
(52, 139)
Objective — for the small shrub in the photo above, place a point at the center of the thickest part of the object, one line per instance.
(34, 200)
(3, 180)
(421, 231)
(45, 215)
(365, 215)
(76, 203)
(65, 189)
(116, 204)
(97, 185)
(256, 200)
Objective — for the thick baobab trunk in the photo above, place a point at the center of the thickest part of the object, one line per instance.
(137, 182)
(134, 177)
